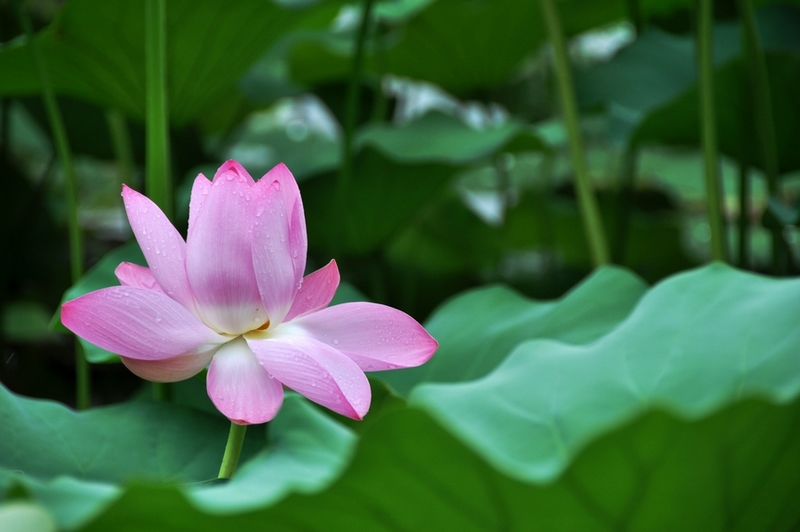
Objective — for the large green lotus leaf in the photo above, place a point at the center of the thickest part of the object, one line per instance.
(676, 122)
(138, 439)
(146, 441)
(695, 342)
(95, 51)
(737, 469)
(500, 320)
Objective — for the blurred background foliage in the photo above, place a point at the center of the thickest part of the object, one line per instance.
(460, 174)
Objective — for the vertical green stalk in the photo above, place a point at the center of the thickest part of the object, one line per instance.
(351, 110)
(624, 196)
(590, 213)
(157, 175)
(744, 260)
(70, 191)
(708, 129)
(635, 14)
(764, 122)
(233, 449)
(121, 141)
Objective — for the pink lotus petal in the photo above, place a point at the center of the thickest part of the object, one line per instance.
(240, 388)
(375, 336)
(169, 369)
(200, 190)
(297, 220)
(218, 257)
(272, 253)
(317, 371)
(161, 244)
(316, 292)
(137, 323)
(233, 168)
(130, 274)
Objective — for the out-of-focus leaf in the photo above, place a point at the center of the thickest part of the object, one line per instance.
(398, 171)
(676, 122)
(96, 52)
(459, 45)
(657, 66)
(26, 321)
(23, 516)
(501, 319)
(437, 137)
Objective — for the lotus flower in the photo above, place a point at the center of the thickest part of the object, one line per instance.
(233, 297)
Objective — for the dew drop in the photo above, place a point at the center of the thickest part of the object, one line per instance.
(335, 342)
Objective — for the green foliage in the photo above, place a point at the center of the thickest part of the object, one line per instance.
(676, 122)
(96, 52)
(614, 405)
(641, 412)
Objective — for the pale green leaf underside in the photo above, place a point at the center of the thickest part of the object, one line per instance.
(693, 344)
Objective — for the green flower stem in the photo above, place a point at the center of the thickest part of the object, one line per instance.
(351, 111)
(624, 197)
(233, 449)
(590, 213)
(121, 141)
(635, 15)
(708, 130)
(157, 174)
(764, 122)
(70, 191)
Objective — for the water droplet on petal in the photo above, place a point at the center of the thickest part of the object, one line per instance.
(335, 342)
